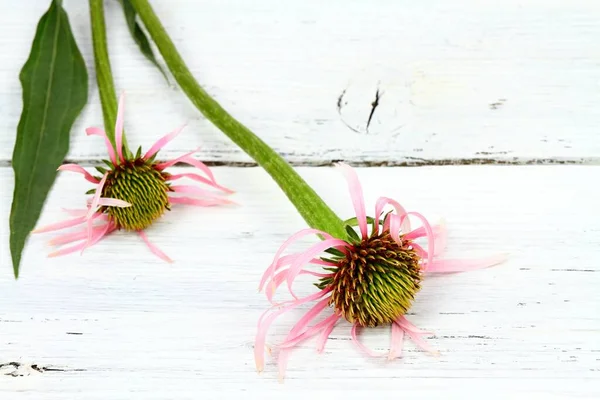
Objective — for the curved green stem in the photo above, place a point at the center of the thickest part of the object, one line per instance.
(312, 208)
(104, 77)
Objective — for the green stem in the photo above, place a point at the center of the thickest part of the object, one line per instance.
(312, 208)
(104, 77)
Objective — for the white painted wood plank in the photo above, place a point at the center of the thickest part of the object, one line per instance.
(124, 325)
(512, 80)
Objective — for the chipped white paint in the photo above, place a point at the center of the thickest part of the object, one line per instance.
(505, 80)
(116, 323)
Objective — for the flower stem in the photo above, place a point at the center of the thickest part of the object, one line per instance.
(104, 77)
(312, 208)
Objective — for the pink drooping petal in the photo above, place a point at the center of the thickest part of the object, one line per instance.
(109, 148)
(430, 237)
(119, 127)
(96, 198)
(419, 250)
(439, 232)
(160, 143)
(305, 257)
(281, 276)
(292, 341)
(170, 163)
(400, 211)
(447, 266)
(295, 237)
(396, 341)
(408, 326)
(356, 194)
(361, 346)
(200, 202)
(189, 189)
(326, 332)
(267, 319)
(80, 170)
(110, 202)
(199, 179)
(416, 335)
(188, 159)
(90, 230)
(60, 225)
(308, 317)
(73, 237)
(100, 234)
(153, 248)
(394, 226)
(297, 330)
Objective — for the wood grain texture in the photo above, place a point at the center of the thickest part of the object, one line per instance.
(117, 323)
(514, 81)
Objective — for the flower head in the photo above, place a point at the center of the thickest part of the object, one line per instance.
(369, 279)
(133, 192)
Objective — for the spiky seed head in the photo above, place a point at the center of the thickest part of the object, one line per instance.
(375, 282)
(142, 185)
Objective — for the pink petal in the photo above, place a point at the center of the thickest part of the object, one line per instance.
(326, 332)
(160, 143)
(396, 341)
(400, 211)
(110, 202)
(295, 237)
(267, 319)
(446, 266)
(153, 248)
(199, 179)
(60, 225)
(292, 341)
(281, 276)
(73, 237)
(167, 164)
(78, 169)
(119, 127)
(90, 230)
(356, 194)
(96, 198)
(360, 345)
(415, 334)
(109, 147)
(193, 190)
(394, 226)
(440, 234)
(200, 202)
(430, 237)
(300, 326)
(100, 234)
(308, 255)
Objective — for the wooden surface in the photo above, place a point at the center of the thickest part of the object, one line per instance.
(117, 323)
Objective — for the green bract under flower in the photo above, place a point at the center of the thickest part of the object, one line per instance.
(141, 184)
(375, 282)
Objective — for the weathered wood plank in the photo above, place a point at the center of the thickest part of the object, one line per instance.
(512, 81)
(122, 325)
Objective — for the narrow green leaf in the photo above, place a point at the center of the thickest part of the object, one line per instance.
(55, 85)
(139, 36)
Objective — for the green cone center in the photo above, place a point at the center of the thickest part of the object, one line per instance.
(376, 282)
(143, 186)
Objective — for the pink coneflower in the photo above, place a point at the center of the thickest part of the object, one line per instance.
(132, 193)
(369, 279)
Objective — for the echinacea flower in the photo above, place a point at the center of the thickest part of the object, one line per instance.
(133, 192)
(369, 279)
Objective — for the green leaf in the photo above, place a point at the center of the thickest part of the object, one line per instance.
(55, 85)
(139, 36)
